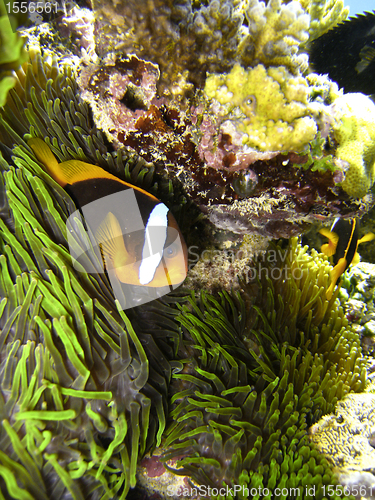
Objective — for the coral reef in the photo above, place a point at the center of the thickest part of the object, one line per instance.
(346, 438)
(184, 41)
(188, 39)
(354, 131)
(224, 385)
(218, 92)
(217, 269)
(324, 16)
(275, 32)
(271, 108)
(295, 189)
(85, 388)
(357, 297)
(78, 26)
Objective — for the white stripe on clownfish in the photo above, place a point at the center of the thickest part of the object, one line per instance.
(155, 238)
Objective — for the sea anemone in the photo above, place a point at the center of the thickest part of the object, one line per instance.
(259, 368)
(83, 387)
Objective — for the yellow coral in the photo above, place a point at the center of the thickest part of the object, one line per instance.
(325, 14)
(354, 131)
(267, 106)
(344, 437)
(275, 32)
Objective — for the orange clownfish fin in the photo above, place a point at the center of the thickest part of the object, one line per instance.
(115, 255)
(329, 248)
(356, 259)
(335, 275)
(366, 237)
(45, 156)
(110, 239)
(67, 172)
(72, 171)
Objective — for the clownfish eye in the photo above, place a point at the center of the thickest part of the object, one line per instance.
(170, 251)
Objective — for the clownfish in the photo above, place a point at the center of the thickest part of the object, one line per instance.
(153, 256)
(342, 246)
